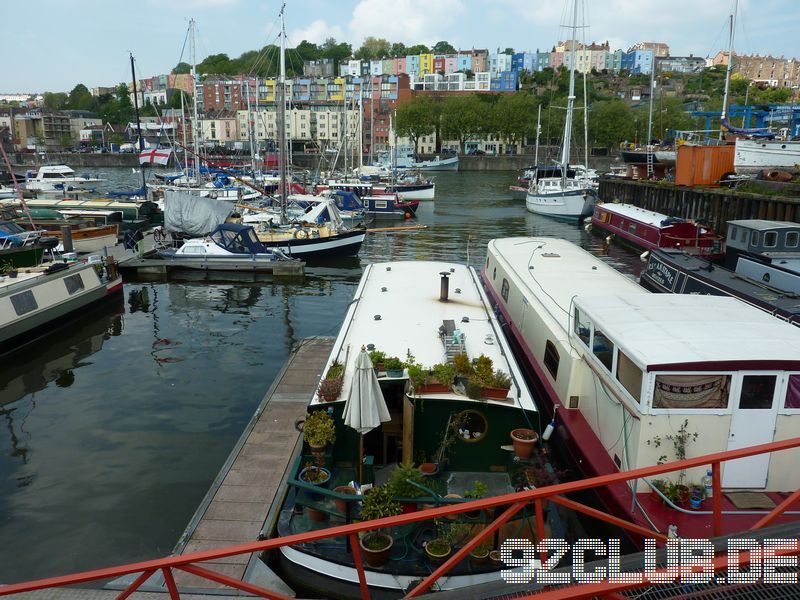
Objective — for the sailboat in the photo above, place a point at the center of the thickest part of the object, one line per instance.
(559, 191)
(322, 233)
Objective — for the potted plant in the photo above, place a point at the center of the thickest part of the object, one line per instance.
(329, 389)
(524, 441)
(393, 366)
(661, 486)
(315, 475)
(480, 553)
(335, 371)
(341, 503)
(483, 367)
(497, 385)
(319, 430)
(418, 376)
(443, 375)
(377, 358)
(494, 558)
(478, 490)
(399, 484)
(9, 269)
(463, 367)
(377, 504)
(439, 548)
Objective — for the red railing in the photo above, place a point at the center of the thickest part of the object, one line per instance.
(513, 504)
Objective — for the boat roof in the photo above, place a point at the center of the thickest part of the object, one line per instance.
(695, 332)
(762, 224)
(397, 309)
(639, 214)
(554, 271)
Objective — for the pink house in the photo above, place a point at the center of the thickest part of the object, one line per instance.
(400, 65)
(450, 64)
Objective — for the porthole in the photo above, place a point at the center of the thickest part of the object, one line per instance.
(472, 426)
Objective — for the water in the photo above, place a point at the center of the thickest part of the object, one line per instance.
(116, 426)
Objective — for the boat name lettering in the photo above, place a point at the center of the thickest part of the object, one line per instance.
(661, 273)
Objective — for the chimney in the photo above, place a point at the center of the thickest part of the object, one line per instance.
(444, 289)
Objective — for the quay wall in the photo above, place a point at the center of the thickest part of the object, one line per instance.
(716, 206)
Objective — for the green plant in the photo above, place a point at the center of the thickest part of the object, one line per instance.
(392, 363)
(377, 357)
(330, 388)
(378, 503)
(335, 371)
(449, 436)
(319, 428)
(444, 373)
(483, 548)
(462, 364)
(499, 379)
(376, 541)
(418, 376)
(8, 267)
(483, 367)
(314, 473)
(680, 441)
(474, 387)
(478, 490)
(399, 481)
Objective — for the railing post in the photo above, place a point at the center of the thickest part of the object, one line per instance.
(170, 581)
(362, 577)
(540, 528)
(717, 498)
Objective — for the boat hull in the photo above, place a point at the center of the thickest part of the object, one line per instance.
(571, 205)
(347, 243)
(754, 156)
(444, 164)
(415, 192)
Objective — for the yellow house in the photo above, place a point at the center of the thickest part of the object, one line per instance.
(425, 64)
(336, 90)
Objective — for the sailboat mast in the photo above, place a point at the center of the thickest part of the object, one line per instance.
(360, 126)
(571, 97)
(195, 121)
(282, 119)
(538, 133)
(138, 125)
(730, 65)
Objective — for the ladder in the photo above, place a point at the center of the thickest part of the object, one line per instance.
(650, 156)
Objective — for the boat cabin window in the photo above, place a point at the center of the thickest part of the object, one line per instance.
(629, 375)
(792, 238)
(504, 289)
(24, 302)
(583, 326)
(73, 283)
(732, 232)
(743, 235)
(793, 392)
(701, 390)
(472, 426)
(770, 239)
(551, 358)
(754, 238)
(757, 391)
(603, 349)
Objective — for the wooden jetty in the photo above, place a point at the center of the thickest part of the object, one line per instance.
(717, 206)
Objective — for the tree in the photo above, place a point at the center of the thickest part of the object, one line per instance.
(463, 117)
(418, 49)
(308, 50)
(124, 109)
(416, 118)
(182, 68)
(175, 99)
(398, 49)
(335, 51)
(513, 116)
(373, 48)
(508, 51)
(611, 122)
(80, 98)
(443, 47)
(55, 100)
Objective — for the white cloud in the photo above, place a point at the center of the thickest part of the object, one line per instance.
(194, 4)
(407, 21)
(316, 32)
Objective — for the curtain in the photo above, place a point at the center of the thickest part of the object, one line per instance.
(691, 391)
(793, 393)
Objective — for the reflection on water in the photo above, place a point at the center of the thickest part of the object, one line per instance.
(112, 431)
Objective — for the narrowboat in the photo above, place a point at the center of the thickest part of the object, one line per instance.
(631, 372)
(648, 230)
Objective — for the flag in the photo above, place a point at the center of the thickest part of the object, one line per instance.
(158, 157)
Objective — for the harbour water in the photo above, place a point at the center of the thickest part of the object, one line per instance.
(115, 427)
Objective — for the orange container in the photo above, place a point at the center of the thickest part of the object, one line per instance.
(703, 165)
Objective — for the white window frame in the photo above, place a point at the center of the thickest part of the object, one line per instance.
(733, 392)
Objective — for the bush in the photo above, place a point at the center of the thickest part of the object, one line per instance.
(319, 428)
(379, 503)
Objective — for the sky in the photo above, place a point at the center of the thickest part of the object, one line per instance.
(65, 42)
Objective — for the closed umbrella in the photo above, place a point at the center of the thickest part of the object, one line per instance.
(365, 408)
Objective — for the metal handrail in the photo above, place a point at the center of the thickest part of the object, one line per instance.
(511, 504)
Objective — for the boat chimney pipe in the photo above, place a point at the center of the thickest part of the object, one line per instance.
(444, 289)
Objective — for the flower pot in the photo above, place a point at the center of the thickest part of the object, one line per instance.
(524, 441)
(437, 551)
(12, 274)
(434, 388)
(341, 504)
(479, 558)
(429, 469)
(317, 516)
(318, 451)
(494, 558)
(408, 507)
(323, 483)
(452, 496)
(376, 547)
(330, 397)
(695, 502)
(396, 373)
(496, 393)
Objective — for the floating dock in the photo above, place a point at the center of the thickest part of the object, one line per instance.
(151, 264)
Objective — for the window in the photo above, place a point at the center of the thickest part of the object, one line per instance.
(792, 239)
(691, 391)
(551, 358)
(757, 391)
(494, 273)
(793, 392)
(603, 349)
(754, 238)
(771, 239)
(24, 302)
(73, 283)
(629, 375)
(504, 290)
(583, 327)
(732, 233)
(743, 235)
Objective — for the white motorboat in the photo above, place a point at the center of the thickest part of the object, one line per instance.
(754, 156)
(57, 178)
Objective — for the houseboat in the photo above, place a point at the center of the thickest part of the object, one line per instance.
(773, 242)
(135, 215)
(458, 428)
(771, 289)
(36, 301)
(647, 230)
(631, 371)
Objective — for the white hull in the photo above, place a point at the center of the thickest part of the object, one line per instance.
(423, 194)
(572, 204)
(753, 156)
(438, 164)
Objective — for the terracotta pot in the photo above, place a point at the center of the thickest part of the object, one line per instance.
(429, 469)
(524, 445)
(494, 558)
(496, 393)
(341, 505)
(408, 507)
(317, 450)
(479, 560)
(437, 558)
(315, 515)
(376, 558)
(434, 388)
(330, 398)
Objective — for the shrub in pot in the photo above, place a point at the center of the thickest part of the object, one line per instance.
(394, 366)
(377, 504)
(329, 389)
(319, 430)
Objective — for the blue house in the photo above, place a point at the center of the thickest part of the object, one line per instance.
(506, 81)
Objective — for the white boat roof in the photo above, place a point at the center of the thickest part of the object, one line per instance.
(406, 296)
(634, 212)
(685, 329)
(762, 224)
(64, 169)
(554, 271)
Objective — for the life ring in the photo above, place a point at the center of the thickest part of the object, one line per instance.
(301, 234)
